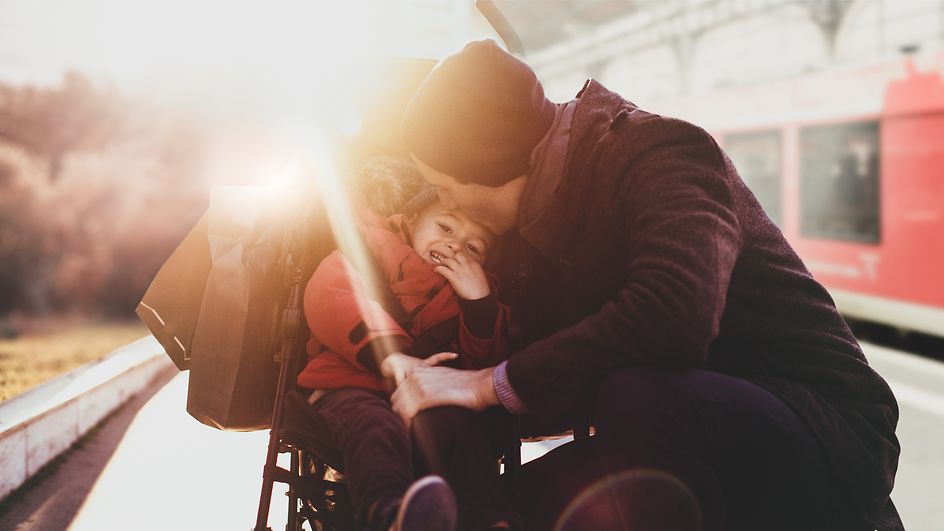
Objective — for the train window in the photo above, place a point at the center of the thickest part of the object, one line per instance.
(839, 173)
(756, 156)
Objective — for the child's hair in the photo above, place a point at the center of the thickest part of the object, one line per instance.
(391, 185)
(425, 198)
(387, 184)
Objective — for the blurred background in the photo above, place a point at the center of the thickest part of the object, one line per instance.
(830, 109)
(117, 117)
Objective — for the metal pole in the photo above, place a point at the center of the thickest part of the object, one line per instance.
(290, 321)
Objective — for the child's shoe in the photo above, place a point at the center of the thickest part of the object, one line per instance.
(427, 505)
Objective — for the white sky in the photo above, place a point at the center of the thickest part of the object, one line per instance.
(223, 53)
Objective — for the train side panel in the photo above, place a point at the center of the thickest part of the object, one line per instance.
(850, 164)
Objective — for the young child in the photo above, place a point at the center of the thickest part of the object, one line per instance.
(432, 264)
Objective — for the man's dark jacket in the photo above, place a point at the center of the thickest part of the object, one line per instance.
(653, 252)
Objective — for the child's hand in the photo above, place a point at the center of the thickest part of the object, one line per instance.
(398, 365)
(465, 275)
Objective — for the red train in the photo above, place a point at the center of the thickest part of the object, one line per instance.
(850, 164)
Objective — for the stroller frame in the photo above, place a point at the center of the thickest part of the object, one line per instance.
(311, 482)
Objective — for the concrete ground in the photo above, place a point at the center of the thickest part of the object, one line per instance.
(918, 384)
(152, 467)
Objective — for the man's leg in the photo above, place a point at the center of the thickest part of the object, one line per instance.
(463, 446)
(738, 450)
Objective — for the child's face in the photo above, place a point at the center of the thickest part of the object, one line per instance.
(441, 233)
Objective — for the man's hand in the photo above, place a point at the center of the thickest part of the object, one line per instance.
(399, 365)
(465, 275)
(427, 387)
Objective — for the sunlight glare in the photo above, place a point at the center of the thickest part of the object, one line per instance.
(283, 66)
(344, 226)
(276, 180)
(180, 475)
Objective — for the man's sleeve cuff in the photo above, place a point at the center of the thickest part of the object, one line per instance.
(506, 394)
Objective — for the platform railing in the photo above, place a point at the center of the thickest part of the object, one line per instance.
(42, 423)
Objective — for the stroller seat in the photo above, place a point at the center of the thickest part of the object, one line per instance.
(298, 431)
(317, 490)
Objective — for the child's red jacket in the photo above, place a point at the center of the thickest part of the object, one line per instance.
(344, 317)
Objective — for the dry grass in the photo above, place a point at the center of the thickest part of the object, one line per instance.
(46, 350)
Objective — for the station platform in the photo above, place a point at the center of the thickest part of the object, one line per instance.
(150, 466)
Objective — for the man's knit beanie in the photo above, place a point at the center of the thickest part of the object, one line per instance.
(478, 115)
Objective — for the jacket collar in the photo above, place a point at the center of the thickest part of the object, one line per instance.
(546, 166)
(550, 193)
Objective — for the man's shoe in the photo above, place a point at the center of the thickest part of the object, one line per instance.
(428, 505)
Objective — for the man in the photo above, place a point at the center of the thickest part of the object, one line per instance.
(655, 298)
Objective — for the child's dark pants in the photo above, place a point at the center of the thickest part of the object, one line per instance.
(381, 461)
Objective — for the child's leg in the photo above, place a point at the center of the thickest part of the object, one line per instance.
(375, 444)
(463, 446)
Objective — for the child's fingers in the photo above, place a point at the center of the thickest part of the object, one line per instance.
(440, 357)
(451, 263)
(464, 260)
(469, 264)
(446, 272)
(399, 376)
